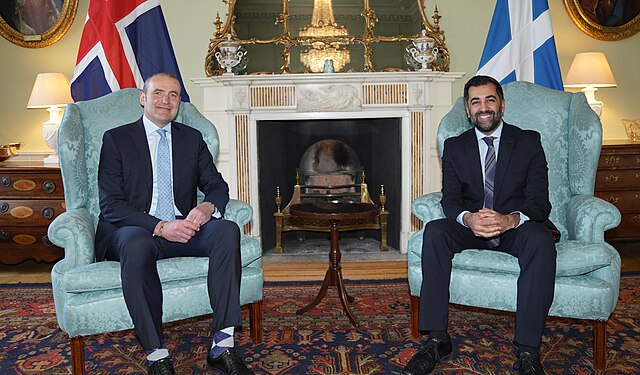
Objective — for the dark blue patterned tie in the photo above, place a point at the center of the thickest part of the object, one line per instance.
(489, 180)
(164, 210)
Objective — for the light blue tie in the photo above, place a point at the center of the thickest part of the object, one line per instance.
(489, 180)
(164, 210)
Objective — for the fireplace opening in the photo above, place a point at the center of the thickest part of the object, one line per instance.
(282, 144)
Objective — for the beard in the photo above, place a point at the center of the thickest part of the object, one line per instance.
(486, 127)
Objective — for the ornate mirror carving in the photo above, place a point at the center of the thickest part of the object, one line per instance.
(298, 36)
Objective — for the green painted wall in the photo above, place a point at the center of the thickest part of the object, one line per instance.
(465, 23)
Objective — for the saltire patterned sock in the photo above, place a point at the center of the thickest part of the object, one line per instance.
(222, 340)
(154, 355)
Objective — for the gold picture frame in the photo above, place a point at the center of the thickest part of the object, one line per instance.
(36, 23)
(587, 16)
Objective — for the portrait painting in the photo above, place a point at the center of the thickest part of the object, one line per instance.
(605, 19)
(36, 23)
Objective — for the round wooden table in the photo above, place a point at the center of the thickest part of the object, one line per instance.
(334, 213)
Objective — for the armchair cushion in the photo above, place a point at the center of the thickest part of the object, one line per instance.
(574, 258)
(105, 275)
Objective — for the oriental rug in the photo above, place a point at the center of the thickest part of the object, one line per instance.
(322, 341)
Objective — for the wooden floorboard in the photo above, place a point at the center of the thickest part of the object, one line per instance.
(350, 271)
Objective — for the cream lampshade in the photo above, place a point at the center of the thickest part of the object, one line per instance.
(590, 70)
(51, 91)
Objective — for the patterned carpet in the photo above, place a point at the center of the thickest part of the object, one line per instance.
(323, 341)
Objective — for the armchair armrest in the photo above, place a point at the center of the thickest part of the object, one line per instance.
(239, 212)
(74, 231)
(427, 207)
(588, 217)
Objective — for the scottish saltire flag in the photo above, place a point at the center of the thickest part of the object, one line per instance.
(123, 42)
(520, 44)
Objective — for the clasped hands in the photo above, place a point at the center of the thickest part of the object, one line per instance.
(182, 230)
(488, 223)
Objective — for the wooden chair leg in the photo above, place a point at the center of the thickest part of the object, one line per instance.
(77, 355)
(255, 322)
(415, 301)
(600, 344)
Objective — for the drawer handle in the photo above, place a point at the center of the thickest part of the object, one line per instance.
(4, 235)
(48, 213)
(613, 200)
(637, 196)
(636, 218)
(612, 161)
(4, 207)
(46, 240)
(611, 179)
(49, 186)
(6, 181)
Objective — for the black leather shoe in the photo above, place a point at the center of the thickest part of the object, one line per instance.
(229, 363)
(162, 367)
(432, 352)
(529, 364)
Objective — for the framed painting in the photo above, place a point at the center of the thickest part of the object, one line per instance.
(605, 19)
(36, 23)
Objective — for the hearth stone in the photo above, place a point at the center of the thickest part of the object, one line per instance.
(317, 251)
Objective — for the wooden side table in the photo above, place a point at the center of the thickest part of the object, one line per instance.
(31, 196)
(334, 213)
(618, 182)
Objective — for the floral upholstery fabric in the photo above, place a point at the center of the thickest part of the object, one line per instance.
(588, 269)
(87, 294)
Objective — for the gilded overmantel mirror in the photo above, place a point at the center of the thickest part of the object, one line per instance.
(302, 36)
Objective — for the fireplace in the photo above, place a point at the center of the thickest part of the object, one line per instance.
(309, 107)
(375, 142)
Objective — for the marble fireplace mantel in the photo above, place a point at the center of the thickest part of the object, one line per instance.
(236, 105)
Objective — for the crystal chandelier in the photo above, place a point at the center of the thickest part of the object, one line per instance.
(323, 24)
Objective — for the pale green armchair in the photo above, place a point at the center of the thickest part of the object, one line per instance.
(88, 294)
(588, 269)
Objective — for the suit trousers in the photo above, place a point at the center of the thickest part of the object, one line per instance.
(533, 245)
(138, 251)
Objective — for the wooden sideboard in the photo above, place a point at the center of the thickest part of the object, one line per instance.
(31, 196)
(618, 182)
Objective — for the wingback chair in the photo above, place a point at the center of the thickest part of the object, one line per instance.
(588, 269)
(88, 294)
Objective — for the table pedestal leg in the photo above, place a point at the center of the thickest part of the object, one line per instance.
(333, 277)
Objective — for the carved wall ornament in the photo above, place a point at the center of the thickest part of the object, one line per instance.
(337, 97)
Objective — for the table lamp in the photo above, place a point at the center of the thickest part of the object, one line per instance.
(590, 70)
(51, 91)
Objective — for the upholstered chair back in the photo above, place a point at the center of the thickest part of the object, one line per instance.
(570, 139)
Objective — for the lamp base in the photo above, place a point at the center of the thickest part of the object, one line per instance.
(52, 159)
(590, 94)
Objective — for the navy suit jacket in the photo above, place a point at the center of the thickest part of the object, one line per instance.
(125, 178)
(521, 182)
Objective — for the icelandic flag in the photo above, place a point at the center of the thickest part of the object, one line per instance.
(520, 44)
(123, 42)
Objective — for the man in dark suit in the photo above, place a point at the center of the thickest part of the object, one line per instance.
(495, 196)
(148, 178)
